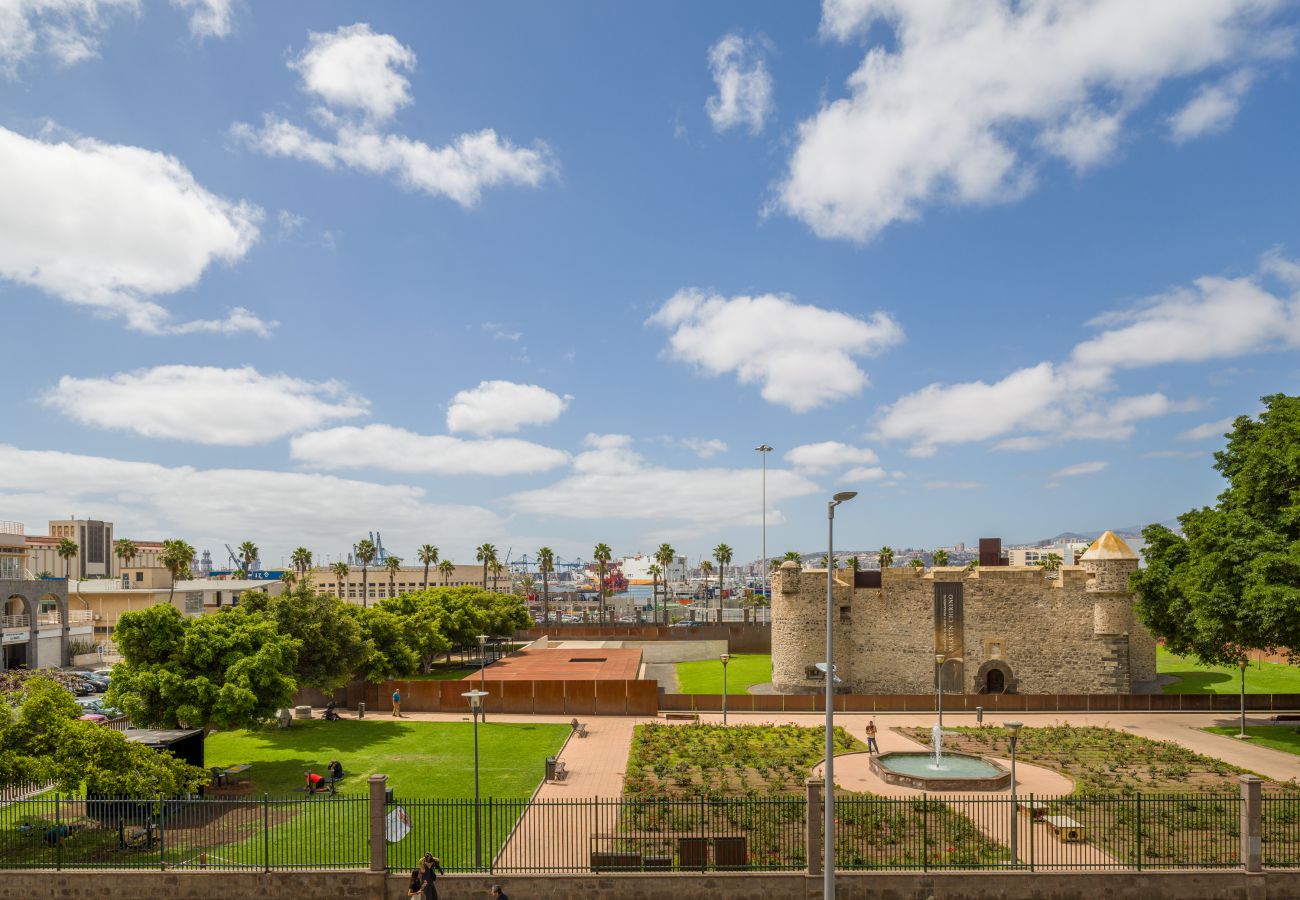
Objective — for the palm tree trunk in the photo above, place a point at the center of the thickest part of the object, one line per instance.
(364, 600)
(546, 600)
(721, 569)
(485, 574)
(426, 576)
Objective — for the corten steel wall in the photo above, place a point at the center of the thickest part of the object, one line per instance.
(993, 704)
(119, 885)
(740, 637)
(551, 697)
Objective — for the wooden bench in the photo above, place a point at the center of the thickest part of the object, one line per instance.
(580, 729)
(1065, 828)
(682, 716)
(1035, 809)
(1287, 717)
(560, 771)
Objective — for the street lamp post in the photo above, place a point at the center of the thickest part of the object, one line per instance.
(726, 658)
(482, 671)
(1014, 728)
(475, 704)
(764, 450)
(1241, 732)
(828, 825)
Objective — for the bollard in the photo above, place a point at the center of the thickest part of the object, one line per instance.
(1252, 859)
(813, 828)
(361, 710)
(379, 798)
(979, 715)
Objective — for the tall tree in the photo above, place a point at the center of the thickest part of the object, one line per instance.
(394, 565)
(855, 564)
(332, 647)
(301, 559)
(67, 551)
(918, 564)
(665, 556)
(886, 556)
(1230, 583)
(427, 554)
(940, 557)
(602, 554)
(497, 568)
(485, 553)
(655, 572)
(792, 556)
(722, 553)
(341, 571)
(365, 553)
(177, 557)
(546, 565)
(446, 567)
(249, 552)
(125, 550)
(1050, 563)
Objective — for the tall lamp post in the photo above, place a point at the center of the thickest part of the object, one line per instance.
(476, 704)
(828, 825)
(1241, 732)
(1014, 728)
(726, 658)
(482, 671)
(764, 450)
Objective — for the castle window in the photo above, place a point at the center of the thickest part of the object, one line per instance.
(844, 614)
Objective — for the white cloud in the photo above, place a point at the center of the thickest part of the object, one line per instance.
(112, 227)
(802, 355)
(502, 407)
(208, 506)
(1216, 318)
(1212, 110)
(612, 481)
(819, 458)
(499, 333)
(1216, 429)
(209, 18)
(744, 85)
(358, 74)
(290, 222)
(970, 95)
(1083, 468)
(704, 448)
(63, 29)
(398, 450)
(202, 404)
(355, 68)
(865, 473)
(952, 485)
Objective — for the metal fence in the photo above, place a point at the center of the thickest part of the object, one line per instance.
(926, 832)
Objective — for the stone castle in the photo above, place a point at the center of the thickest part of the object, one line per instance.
(998, 628)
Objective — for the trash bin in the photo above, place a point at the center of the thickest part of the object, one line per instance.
(979, 715)
(550, 768)
(388, 796)
(361, 710)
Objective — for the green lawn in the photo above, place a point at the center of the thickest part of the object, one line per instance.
(1195, 678)
(443, 673)
(705, 676)
(1280, 737)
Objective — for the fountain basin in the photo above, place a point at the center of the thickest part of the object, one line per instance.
(960, 772)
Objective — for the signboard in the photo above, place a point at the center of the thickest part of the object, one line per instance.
(397, 825)
(17, 637)
(949, 627)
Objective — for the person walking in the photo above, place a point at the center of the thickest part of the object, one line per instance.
(872, 747)
(415, 887)
(430, 868)
(498, 893)
(397, 703)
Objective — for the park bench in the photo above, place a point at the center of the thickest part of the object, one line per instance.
(560, 771)
(580, 729)
(1065, 828)
(1287, 717)
(682, 716)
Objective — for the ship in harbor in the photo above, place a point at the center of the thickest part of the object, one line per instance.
(636, 569)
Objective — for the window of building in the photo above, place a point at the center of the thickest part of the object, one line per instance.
(844, 614)
(139, 576)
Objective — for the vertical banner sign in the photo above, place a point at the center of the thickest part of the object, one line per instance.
(948, 634)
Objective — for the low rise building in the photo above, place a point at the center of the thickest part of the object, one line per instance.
(95, 557)
(378, 585)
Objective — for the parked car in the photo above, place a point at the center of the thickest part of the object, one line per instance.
(96, 705)
(100, 682)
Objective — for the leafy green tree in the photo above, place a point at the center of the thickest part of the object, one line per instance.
(421, 614)
(232, 669)
(886, 556)
(392, 654)
(546, 565)
(177, 557)
(67, 551)
(486, 554)
(1231, 583)
(428, 555)
(366, 552)
(940, 557)
(722, 554)
(602, 555)
(332, 647)
(1050, 563)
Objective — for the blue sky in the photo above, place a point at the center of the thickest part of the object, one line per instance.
(546, 273)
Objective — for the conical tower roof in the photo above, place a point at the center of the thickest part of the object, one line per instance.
(1108, 546)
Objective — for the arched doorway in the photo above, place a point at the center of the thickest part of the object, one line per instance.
(995, 677)
(17, 624)
(995, 682)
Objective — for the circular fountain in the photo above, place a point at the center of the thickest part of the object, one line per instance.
(939, 771)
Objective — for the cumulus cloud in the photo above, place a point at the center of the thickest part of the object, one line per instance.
(970, 96)
(823, 457)
(704, 448)
(612, 481)
(65, 30)
(865, 473)
(744, 85)
(114, 227)
(399, 450)
(1032, 407)
(503, 407)
(1083, 468)
(358, 75)
(1216, 429)
(209, 18)
(207, 506)
(1212, 110)
(803, 356)
(203, 404)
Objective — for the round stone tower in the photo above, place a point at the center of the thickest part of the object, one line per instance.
(799, 630)
(1109, 562)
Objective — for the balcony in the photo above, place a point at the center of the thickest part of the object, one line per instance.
(75, 617)
(13, 621)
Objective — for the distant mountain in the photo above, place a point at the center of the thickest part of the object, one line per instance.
(1126, 531)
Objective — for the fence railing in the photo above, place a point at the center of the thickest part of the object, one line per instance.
(18, 621)
(925, 832)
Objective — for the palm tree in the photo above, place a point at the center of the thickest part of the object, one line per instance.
(665, 556)
(67, 551)
(918, 564)
(854, 564)
(176, 557)
(972, 565)
(940, 557)
(394, 565)
(722, 553)
(655, 572)
(428, 554)
(829, 563)
(602, 554)
(341, 573)
(365, 553)
(1050, 563)
(546, 565)
(792, 556)
(125, 550)
(288, 579)
(775, 563)
(497, 568)
(446, 567)
(886, 556)
(301, 559)
(485, 554)
(248, 552)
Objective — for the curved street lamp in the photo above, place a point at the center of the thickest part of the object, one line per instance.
(828, 826)
(476, 705)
